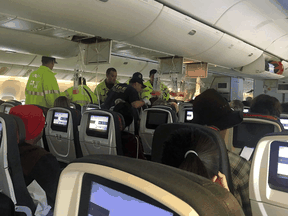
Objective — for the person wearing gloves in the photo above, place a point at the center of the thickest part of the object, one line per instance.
(128, 93)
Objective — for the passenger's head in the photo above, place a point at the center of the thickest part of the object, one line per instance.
(137, 81)
(210, 108)
(81, 81)
(34, 121)
(62, 101)
(125, 109)
(48, 62)
(192, 150)
(151, 75)
(237, 105)
(111, 75)
(266, 105)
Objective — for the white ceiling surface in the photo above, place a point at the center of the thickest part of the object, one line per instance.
(149, 24)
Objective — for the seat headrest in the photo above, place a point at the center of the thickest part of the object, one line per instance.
(21, 129)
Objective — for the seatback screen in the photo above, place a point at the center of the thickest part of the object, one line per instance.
(188, 115)
(278, 166)
(245, 110)
(60, 121)
(98, 126)
(108, 198)
(248, 134)
(156, 118)
(284, 122)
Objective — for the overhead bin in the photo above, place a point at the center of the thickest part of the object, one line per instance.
(114, 19)
(175, 33)
(10, 57)
(246, 21)
(206, 10)
(280, 47)
(230, 52)
(21, 41)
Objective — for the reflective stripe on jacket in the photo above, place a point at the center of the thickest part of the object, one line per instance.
(82, 97)
(146, 92)
(42, 88)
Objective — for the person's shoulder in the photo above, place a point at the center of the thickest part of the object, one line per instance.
(238, 162)
(101, 84)
(147, 83)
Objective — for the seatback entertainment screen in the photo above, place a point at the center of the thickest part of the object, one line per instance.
(60, 121)
(98, 126)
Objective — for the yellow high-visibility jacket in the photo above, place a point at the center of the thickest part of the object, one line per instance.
(146, 92)
(102, 91)
(42, 88)
(82, 97)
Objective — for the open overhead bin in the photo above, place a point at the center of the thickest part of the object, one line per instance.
(246, 21)
(178, 34)
(230, 52)
(112, 19)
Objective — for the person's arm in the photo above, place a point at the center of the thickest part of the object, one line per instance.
(47, 172)
(137, 104)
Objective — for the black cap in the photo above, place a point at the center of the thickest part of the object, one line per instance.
(138, 77)
(48, 59)
(153, 71)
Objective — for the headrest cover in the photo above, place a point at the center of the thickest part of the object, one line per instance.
(33, 118)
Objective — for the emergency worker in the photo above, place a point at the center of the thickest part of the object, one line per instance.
(42, 88)
(148, 91)
(103, 87)
(83, 96)
(128, 93)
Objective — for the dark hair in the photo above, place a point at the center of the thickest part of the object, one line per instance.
(62, 101)
(266, 105)
(109, 70)
(81, 80)
(46, 60)
(205, 164)
(125, 109)
(237, 105)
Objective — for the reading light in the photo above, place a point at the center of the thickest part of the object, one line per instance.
(192, 32)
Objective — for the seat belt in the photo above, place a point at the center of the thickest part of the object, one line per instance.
(88, 94)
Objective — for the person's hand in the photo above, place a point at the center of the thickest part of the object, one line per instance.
(147, 102)
(137, 104)
(222, 179)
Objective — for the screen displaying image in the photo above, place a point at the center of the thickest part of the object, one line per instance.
(98, 123)
(282, 167)
(245, 110)
(284, 123)
(60, 118)
(7, 109)
(189, 115)
(106, 201)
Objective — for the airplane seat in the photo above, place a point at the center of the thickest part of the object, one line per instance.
(150, 119)
(100, 133)
(254, 126)
(162, 133)
(6, 106)
(12, 181)
(62, 133)
(7, 206)
(184, 105)
(75, 106)
(100, 184)
(185, 114)
(89, 107)
(268, 181)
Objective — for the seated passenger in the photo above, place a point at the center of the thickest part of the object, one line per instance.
(62, 101)
(194, 151)
(237, 105)
(37, 163)
(210, 108)
(129, 141)
(248, 101)
(266, 105)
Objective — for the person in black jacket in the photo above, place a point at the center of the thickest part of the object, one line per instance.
(37, 163)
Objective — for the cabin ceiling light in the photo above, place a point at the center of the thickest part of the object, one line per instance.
(192, 32)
